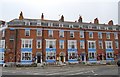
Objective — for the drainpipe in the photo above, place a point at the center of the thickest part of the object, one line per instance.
(86, 52)
(15, 45)
(66, 47)
(43, 56)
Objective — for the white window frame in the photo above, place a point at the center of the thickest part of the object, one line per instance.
(26, 32)
(39, 32)
(90, 34)
(108, 54)
(72, 33)
(82, 44)
(91, 42)
(39, 43)
(116, 44)
(23, 42)
(24, 56)
(52, 54)
(50, 41)
(2, 57)
(108, 44)
(3, 33)
(100, 44)
(99, 35)
(116, 35)
(70, 55)
(61, 44)
(2, 43)
(108, 35)
(72, 43)
(81, 34)
(90, 55)
(50, 33)
(61, 33)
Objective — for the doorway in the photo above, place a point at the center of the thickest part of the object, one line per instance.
(39, 57)
(62, 57)
(82, 57)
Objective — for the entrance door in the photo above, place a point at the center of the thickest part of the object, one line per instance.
(38, 59)
(62, 58)
(82, 57)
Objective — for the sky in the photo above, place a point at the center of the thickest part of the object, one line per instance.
(104, 10)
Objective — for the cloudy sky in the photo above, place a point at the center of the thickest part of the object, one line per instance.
(104, 10)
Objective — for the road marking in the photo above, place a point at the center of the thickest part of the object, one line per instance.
(95, 74)
(13, 72)
(18, 68)
(36, 73)
(58, 73)
(80, 73)
(4, 71)
(92, 71)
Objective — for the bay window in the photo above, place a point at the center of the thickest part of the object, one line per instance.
(50, 55)
(50, 43)
(108, 45)
(91, 55)
(91, 45)
(26, 55)
(1, 56)
(109, 54)
(72, 44)
(72, 55)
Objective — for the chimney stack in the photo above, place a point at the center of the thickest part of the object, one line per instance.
(62, 18)
(21, 16)
(80, 19)
(96, 21)
(42, 16)
(110, 22)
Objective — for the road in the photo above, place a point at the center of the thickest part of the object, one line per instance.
(65, 70)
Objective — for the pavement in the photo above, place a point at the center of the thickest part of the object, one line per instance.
(63, 70)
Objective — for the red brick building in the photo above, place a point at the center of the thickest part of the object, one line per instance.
(40, 40)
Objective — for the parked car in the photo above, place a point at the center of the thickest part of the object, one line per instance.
(118, 63)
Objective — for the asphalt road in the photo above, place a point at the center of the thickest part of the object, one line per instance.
(65, 70)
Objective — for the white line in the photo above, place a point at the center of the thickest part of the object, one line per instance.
(36, 73)
(95, 74)
(64, 72)
(4, 71)
(13, 72)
